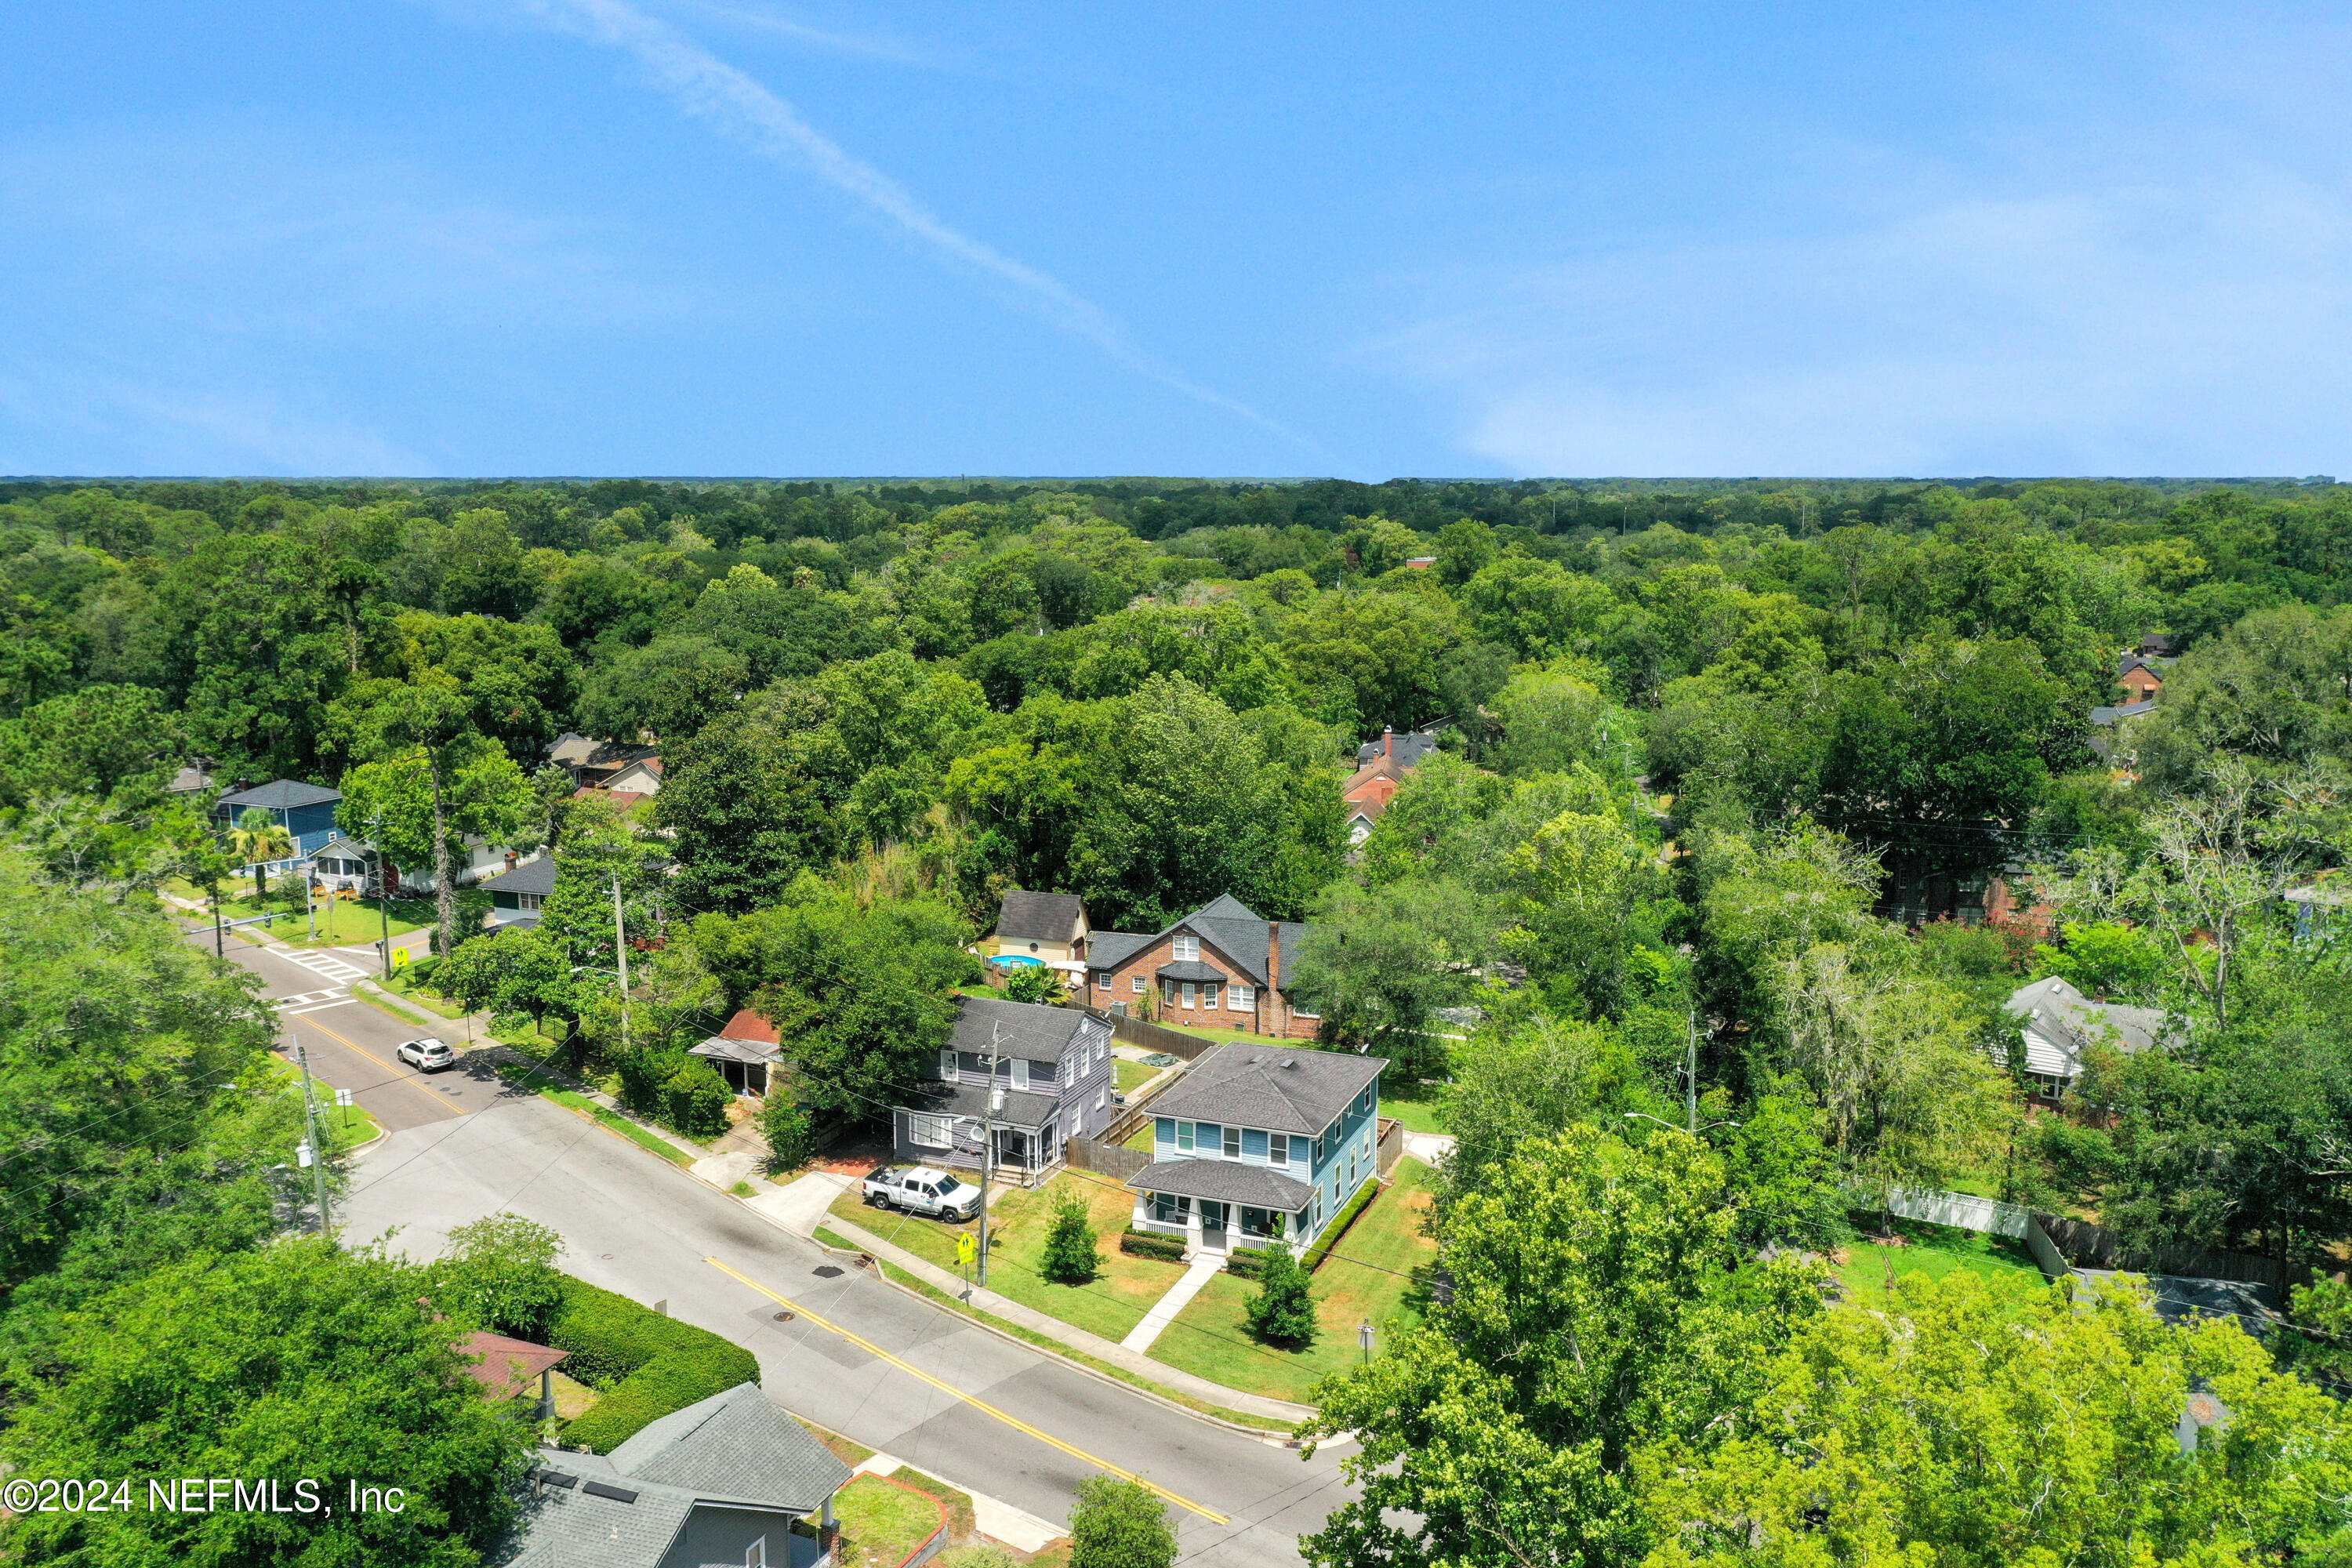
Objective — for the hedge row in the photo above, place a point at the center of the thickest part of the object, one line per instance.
(1148, 1244)
(1248, 1265)
(646, 1365)
(1338, 1228)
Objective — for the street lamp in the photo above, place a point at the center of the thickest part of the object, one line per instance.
(1364, 1340)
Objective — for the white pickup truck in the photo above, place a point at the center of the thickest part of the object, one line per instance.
(919, 1189)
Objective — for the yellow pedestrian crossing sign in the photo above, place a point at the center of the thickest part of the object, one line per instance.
(966, 1249)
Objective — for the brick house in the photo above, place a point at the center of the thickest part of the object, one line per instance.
(1381, 767)
(1221, 967)
(2141, 675)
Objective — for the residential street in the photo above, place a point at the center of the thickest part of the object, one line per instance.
(464, 1143)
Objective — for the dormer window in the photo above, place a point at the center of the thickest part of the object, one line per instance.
(948, 1065)
(1187, 949)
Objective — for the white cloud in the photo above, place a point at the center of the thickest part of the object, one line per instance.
(736, 105)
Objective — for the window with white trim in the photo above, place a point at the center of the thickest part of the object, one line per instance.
(1020, 1074)
(1185, 949)
(756, 1556)
(1240, 998)
(1102, 979)
(931, 1131)
(1192, 994)
(1136, 985)
(1278, 1149)
(948, 1065)
(1209, 994)
(1232, 1142)
(1184, 1136)
(1102, 1097)
(1102, 1048)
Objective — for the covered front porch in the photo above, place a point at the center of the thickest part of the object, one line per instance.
(1216, 1205)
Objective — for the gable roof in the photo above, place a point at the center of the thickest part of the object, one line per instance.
(2121, 710)
(1029, 1030)
(1225, 924)
(1405, 750)
(746, 1025)
(1280, 1087)
(531, 877)
(935, 1097)
(279, 794)
(2061, 1024)
(507, 1367)
(736, 1444)
(1039, 917)
(341, 846)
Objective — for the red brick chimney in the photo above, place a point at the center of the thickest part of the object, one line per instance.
(1388, 743)
(1272, 977)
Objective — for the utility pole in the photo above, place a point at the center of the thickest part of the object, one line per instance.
(988, 1147)
(621, 952)
(383, 894)
(310, 1121)
(310, 903)
(220, 943)
(1690, 1077)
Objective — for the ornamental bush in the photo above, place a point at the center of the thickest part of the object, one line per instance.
(1070, 1258)
(647, 1364)
(1282, 1313)
(694, 1099)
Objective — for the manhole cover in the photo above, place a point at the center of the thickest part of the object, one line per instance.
(826, 1271)
(784, 1317)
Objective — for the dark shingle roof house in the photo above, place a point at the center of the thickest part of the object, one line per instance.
(1227, 923)
(1039, 917)
(537, 877)
(280, 795)
(1279, 1087)
(2109, 715)
(719, 1481)
(1405, 750)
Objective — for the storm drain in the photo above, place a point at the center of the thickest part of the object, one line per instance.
(826, 1271)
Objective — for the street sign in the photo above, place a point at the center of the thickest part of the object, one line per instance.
(400, 958)
(966, 1249)
(342, 1097)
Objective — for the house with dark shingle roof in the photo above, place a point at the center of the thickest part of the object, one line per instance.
(306, 811)
(1052, 1080)
(1221, 967)
(2059, 1025)
(732, 1478)
(1048, 929)
(1258, 1141)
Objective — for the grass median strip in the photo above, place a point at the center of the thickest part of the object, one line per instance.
(570, 1100)
(378, 1000)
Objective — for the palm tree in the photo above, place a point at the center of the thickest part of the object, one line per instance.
(260, 839)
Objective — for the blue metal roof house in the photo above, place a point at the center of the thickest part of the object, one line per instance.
(306, 812)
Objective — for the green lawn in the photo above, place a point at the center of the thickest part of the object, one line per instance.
(1421, 1107)
(342, 923)
(1142, 1137)
(882, 1521)
(1133, 1076)
(1366, 1278)
(1113, 1303)
(348, 1126)
(1933, 1250)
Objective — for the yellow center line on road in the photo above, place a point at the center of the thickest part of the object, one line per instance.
(870, 1348)
(432, 1094)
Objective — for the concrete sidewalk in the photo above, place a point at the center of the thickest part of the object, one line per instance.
(1180, 1296)
(1052, 1328)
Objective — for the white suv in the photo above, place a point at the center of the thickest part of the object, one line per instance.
(426, 1055)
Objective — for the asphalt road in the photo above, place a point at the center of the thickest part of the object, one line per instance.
(858, 1356)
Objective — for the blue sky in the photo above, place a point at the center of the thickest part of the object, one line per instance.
(754, 236)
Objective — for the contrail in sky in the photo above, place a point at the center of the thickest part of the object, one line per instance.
(733, 103)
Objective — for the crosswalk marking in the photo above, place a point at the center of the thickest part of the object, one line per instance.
(307, 997)
(325, 965)
(306, 1011)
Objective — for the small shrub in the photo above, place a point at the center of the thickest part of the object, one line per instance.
(1282, 1313)
(791, 1135)
(694, 1099)
(1033, 982)
(1070, 1257)
(1247, 1264)
(1119, 1524)
(1150, 1244)
(502, 1273)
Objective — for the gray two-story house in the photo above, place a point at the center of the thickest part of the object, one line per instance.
(1053, 1070)
(1258, 1141)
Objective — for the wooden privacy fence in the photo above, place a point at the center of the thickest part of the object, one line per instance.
(1150, 1036)
(1105, 1158)
(1390, 1148)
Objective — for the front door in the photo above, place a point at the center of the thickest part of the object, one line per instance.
(1213, 1225)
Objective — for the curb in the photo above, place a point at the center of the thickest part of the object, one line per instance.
(981, 1321)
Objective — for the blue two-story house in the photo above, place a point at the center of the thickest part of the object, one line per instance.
(1053, 1072)
(307, 813)
(1260, 1141)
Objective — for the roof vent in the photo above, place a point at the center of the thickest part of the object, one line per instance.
(618, 1494)
(1291, 1065)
